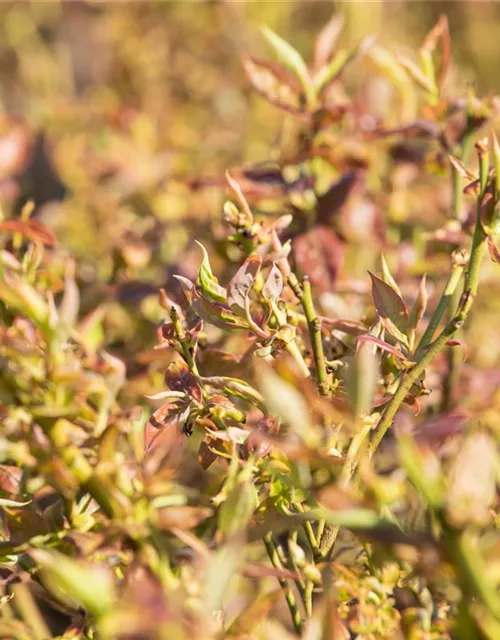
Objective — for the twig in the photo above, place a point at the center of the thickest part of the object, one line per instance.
(466, 301)
(314, 326)
(272, 552)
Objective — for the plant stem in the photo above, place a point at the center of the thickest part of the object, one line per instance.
(466, 301)
(181, 337)
(454, 365)
(291, 601)
(444, 303)
(314, 326)
(309, 531)
(331, 531)
(291, 346)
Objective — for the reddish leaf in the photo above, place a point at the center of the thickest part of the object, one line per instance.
(320, 254)
(332, 201)
(274, 84)
(390, 308)
(326, 40)
(459, 343)
(10, 478)
(461, 169)
(31, 229)
(205, 454)
(179, 378)
(493, 250)
(437, 430)
(441, 31)
(382, 345)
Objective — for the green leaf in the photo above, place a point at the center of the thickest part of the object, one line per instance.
(330, 72)
(68, 580)
(292, 59)
(387, 275)
(418, 308)
(13, 504)
(207, 282)
(390, 308)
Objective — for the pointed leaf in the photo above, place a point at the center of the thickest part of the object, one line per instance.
(387, 275)
(289, 57)
(207, 282)
(274, 84)
(418, 308)
(242, 283)
(188, 288)
(382, 345)
(461, 169)
(390, 308)
(326, 40)
(330, 72)
(416, 73)
(274, 284)
(493, 250)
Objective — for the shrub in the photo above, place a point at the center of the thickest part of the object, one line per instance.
(320, 460)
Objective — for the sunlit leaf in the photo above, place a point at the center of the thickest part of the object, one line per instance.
(390, 308)
(207, 282)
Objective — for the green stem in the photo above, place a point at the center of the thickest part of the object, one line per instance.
(309, 531)
(331, 531)
(466, 301)
(314, 326)
(291, 601)
(186, 351)
(444, 303)
(454, 365)
(291, 346)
